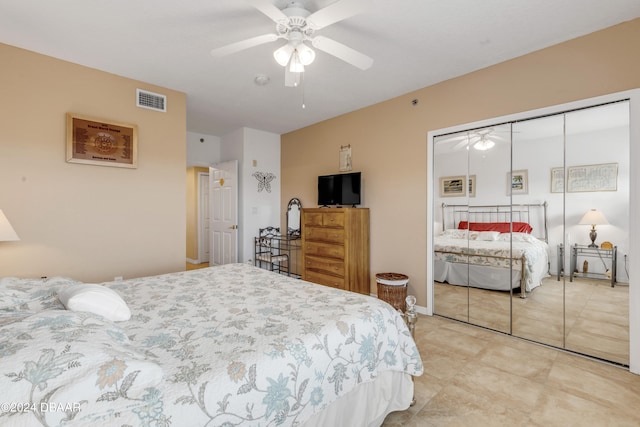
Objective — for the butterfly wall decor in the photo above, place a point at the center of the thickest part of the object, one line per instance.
(264, 180)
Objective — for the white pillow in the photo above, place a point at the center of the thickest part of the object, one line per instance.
(488, 236)
(95, 299)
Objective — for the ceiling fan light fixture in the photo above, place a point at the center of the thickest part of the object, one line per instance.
(484, 144)
(283, 54)
(306, 55)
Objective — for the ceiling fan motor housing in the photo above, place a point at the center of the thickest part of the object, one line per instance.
(296, 22)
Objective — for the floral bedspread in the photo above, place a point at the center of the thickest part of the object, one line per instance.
(222, 346)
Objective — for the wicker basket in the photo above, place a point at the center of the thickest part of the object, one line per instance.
(392, 288)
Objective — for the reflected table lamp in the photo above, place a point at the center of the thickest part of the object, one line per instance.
(7, 233)
(593, 218)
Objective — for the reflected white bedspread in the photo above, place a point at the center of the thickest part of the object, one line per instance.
(488, 258)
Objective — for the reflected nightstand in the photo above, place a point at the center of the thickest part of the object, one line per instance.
(585, 251)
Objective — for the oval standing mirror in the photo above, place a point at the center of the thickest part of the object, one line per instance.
(293, 217)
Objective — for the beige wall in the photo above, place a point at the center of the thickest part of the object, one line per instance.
(388, 140)
(88, 222)
(192, 211)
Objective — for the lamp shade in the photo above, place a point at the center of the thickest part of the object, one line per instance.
(283, 54)
(299, 53)
(593, 217)
(305, 54)
(7, 233)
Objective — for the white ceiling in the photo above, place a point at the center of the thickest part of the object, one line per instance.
(414, 44)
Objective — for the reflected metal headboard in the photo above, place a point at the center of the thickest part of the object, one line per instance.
(534, 214)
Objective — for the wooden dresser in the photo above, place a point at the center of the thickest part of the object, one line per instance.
(335, 248)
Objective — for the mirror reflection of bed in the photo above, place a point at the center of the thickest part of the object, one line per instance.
(493, 246)
(511, 167)
(500, 248)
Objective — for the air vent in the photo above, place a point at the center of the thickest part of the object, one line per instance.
(150, 100)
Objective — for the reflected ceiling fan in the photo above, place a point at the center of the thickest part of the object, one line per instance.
(482, 139)
(297, 26)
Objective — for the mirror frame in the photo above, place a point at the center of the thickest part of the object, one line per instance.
(291, 231)
(634, 196)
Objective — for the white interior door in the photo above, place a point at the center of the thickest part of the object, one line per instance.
(223, 186)
(204, 218)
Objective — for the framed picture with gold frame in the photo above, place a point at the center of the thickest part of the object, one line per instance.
(101, 142)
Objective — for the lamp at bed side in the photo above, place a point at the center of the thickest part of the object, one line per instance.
(7, 233)
(593, 218)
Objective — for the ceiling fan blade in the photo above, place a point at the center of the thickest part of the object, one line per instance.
(461, 144)
(454, 138)
(343, 52)
(268, 8)
(244, 44)
(342, 9)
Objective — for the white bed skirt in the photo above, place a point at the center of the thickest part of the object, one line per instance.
(374, 400)
(477, 276)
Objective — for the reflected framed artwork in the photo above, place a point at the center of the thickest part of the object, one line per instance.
(557, 180)
(472, 186)
(453, 186)
(518, 182)
(585, 178)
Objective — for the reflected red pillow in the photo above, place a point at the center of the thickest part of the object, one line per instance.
(502, 227)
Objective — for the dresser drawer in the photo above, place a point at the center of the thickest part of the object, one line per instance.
(313, 218)
(324, 250)
(324, 279)
(333, 219)
(324, 219)
(331, 235)
(324, 265)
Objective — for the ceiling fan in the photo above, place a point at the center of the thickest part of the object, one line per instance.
(482, 139)
(297, 26)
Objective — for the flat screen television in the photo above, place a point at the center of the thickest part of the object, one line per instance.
(339, 189)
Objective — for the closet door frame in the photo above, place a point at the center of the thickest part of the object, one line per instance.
(634, 197)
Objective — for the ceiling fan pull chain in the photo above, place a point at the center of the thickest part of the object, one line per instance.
(302, 84)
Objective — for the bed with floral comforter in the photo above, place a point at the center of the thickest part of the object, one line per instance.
(222, 346)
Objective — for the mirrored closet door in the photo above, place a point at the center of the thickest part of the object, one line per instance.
(539, 153)
(471, 168)
(451, 264)
(516, 207)
(597, 147)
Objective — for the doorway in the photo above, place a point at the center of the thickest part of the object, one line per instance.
(204, 218)
(223, 188)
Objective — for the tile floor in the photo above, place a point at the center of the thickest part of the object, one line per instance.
(595, 319)
(476, 377)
